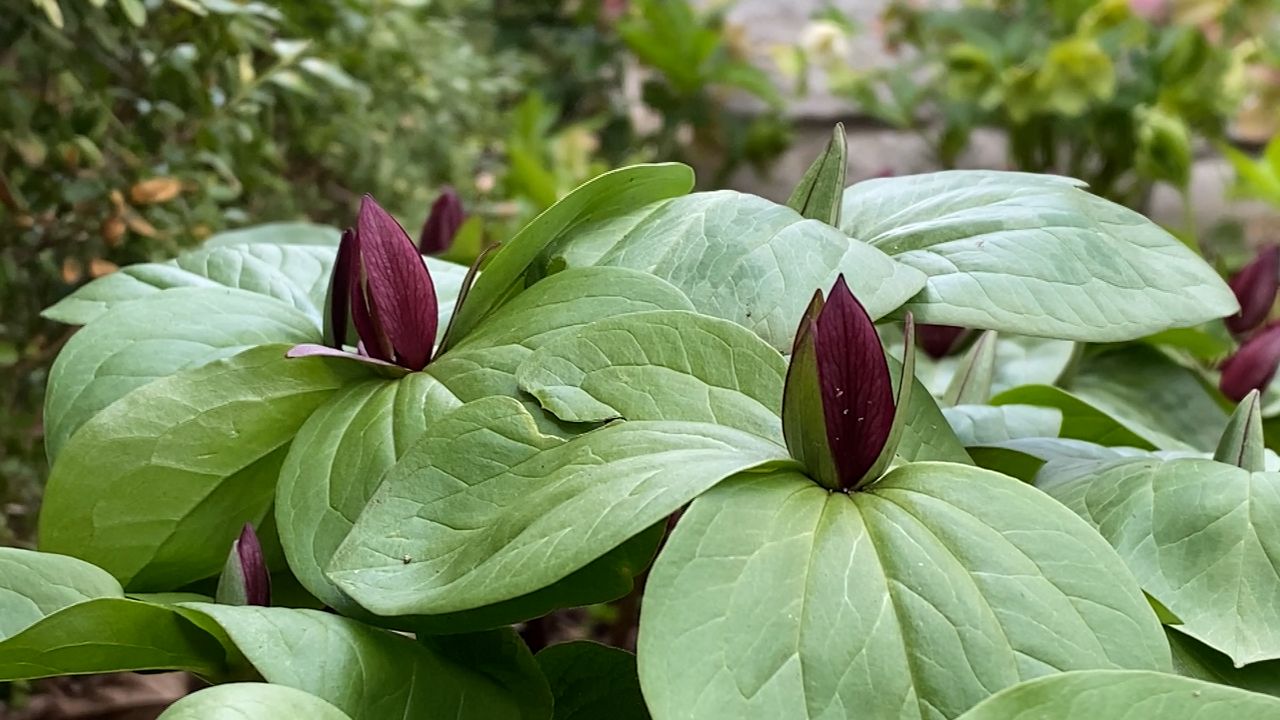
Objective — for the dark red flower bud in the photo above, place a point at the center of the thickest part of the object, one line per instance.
(1253, 365)
(442, 224)
(245, 580)
(838, 409)
(939, 341)
(1255, 288)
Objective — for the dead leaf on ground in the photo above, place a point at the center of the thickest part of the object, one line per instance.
(155, 190)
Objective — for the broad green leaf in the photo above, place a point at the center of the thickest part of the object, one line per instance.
(1082, 420)
(1035, 255)
(591, 681)
(374, 674)
(977, 425)
(156, 336)
(1201, 537)
(485, 508)
(1145, 388)
(1196, 660)
(819, 191)
(34, 585)
(251, 701)
(741, 258)
(280, 233)
(916, 598)
(338, 459)
(154, 488)
(689, 367)
(63, 616)
(663, 365)
(1020, 360)
(610, 194)
(294, 275)
(1123, 695)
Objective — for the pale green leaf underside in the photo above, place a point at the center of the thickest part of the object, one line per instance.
(154, 488)
(1201, 537)
(489, 509)
(278, 233)
(915, 599)
(987, 424)
(1123, 695)
(1035, 255)
(368, 673)
(1083, 420)
(742, 258)
(156, 336)
(1194, 659)
(252, 701)
(1020, 360)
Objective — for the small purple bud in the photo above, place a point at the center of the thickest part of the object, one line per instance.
(245, 580)
(939, 341)
(442, 224)
(1253, 365)
(1255, 288)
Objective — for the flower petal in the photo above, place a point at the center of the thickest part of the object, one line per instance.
(442, 223)
(245, 579)
(338, 298)
(399, 290)
(1253, 365)
(1255, 288)
(939, 341)
(857, 392)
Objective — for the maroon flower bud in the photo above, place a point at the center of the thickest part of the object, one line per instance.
(838, 409)
(382, 285)
(939, 341)
(442, 224)
(1255, 288)
(1253, 365)
(245, 580)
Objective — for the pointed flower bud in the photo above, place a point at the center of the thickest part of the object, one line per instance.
(245, 580)
(939, 341)
(838, 409)
(442, 224)
(1253, 365)
(381, 286)
(1255, 288)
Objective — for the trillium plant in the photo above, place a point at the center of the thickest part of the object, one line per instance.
(336, 476)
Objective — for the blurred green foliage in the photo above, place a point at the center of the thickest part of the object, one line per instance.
(1110, 91)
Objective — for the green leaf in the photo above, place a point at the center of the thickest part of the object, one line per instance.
(918, 597)
(342, 451)
(1123, 695)
(63, 616)
(742, 258)
(591, 681)
(1242, 443)
(971, 383)
(156, 336)
(251, 701)
(295, 275)
(157, 505)
(486, 508)
(817, 195)
(1035, 255)
(610, 194)
(977, 425)
(374, 674)
(1020, 360)
(35, 585)
(926, 434)
(1196, 660)
(281, 233)
(1201, 537)
(663, 365)
(1082, 420)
